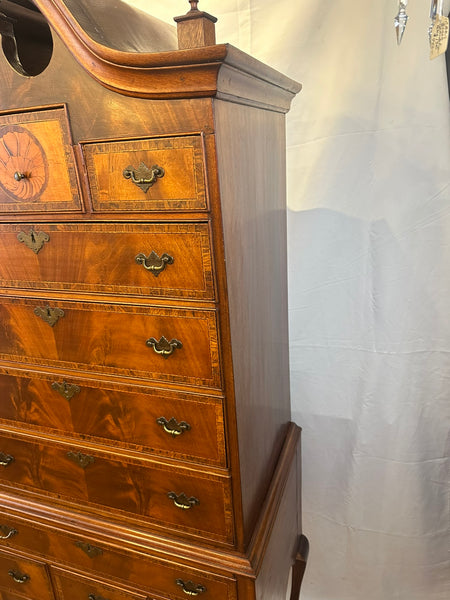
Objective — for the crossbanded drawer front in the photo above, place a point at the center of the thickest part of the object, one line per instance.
(152, 259)
(25, 577)
(147, 174)
(71, 586)
(37, 167)
(160, 344)
(178, 425)
(184, 500)
(92, 556)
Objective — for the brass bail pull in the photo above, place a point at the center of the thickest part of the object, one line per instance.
(144, 177)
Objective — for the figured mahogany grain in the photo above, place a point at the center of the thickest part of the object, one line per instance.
(37, 584)
(126, 486)
(100, 258)
(112, 339)
(118, 417)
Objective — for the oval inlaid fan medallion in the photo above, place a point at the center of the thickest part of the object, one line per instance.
(23, 165)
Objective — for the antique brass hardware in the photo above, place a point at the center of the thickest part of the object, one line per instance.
(18, 576)
(182, 501)
(67, 390)
(18, 176)
(7, 532)
(91, 551)
(83, 460)
(33, 239)
(172, 426)
(5, 459)
(144, 177)
(190, 588)
(49, 315)
(153, 262)
(95, 597)
(163, 346)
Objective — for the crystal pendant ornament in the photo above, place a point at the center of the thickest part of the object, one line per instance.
(401, 20)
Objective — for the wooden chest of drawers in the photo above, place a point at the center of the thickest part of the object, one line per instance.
(146, 448)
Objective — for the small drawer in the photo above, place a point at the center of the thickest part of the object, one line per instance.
(172, 424)
(24, 577)
(96, 558)
(184, 500)
(37, 166)
(152, 259)
(75, 587)
(153, 174)
(159, 344)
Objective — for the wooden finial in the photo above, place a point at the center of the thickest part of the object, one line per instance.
(196, 28)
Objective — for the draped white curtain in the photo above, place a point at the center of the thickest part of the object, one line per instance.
(369, 275)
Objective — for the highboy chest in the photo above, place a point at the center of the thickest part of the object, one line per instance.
(146, 446)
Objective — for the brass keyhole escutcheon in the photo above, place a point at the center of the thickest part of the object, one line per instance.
(50, 315)
(34, 240)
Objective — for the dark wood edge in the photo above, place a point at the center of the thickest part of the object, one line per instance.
(269, 512)
(159, 75)
(107, 532)
(298, 569)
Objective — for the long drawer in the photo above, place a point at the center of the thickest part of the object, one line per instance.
(152, 259)
(98, 560)
(25, 577)
(160, 344)
(180, 425)
(174, 498)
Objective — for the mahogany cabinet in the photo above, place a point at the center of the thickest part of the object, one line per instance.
(146, 443)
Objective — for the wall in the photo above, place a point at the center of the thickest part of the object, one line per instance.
(369, 247)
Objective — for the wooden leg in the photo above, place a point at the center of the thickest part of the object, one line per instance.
(298, 569)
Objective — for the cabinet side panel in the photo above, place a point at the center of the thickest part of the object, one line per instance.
(251, 163)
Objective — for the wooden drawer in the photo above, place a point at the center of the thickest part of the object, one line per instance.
(24, 577)
(37, 167)
(70, 586)
(92, 257)
(121, 483)
(98, 560)
(128, 417)
(180, 185)
(112, 339)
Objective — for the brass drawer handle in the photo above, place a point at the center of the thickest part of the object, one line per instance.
(82, 460)
(163, 346)
(50, 315)
(91, 551)
(154, 263)
(144, 177)
(67, 390)
(33, 239)
(5, 459)
(182, 501)
(190, 588)
(172, 427)
(7, 532)
(18, 576)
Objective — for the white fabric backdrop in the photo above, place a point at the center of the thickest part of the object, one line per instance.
(369, 247)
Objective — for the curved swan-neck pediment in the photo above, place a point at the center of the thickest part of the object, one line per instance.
(135, 54)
